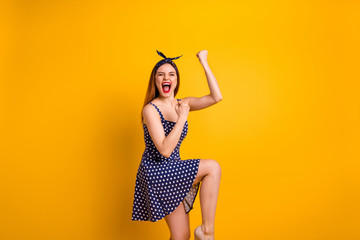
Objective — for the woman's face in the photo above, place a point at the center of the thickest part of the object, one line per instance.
(166, 80)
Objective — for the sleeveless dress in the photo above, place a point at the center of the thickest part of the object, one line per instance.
(163, 183)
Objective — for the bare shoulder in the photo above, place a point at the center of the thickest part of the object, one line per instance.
(148, 112)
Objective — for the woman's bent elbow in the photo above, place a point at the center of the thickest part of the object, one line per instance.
(165, 154)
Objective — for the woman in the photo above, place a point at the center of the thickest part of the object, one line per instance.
(166, 186)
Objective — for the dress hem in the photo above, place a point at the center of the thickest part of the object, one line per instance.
(187, 191)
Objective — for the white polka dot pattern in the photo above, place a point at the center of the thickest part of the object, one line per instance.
(163, 183)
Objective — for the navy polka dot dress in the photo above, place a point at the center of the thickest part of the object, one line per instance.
(163, 183)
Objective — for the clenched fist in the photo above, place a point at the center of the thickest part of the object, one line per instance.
(182, 109)
(202, 55)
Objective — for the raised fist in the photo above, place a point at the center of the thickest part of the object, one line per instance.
(202, 55)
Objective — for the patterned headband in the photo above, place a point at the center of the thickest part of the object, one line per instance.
(165, 60)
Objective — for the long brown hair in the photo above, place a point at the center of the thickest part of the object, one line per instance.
(152, 91)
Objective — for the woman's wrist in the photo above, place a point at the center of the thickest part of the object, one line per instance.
(204, 62)
(182, 118)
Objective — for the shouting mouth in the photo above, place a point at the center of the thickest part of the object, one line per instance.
(166, 87)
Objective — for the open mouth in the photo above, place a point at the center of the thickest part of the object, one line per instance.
(166, 87)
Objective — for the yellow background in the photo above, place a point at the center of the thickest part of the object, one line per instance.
(73, 80)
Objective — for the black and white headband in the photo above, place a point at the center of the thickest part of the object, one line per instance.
(165, 60)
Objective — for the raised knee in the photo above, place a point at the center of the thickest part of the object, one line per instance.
(215, 167)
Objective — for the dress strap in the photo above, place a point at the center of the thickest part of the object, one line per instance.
(162, 117)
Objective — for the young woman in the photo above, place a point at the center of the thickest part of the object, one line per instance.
(166, 186)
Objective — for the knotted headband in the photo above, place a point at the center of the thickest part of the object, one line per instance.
(165, 60)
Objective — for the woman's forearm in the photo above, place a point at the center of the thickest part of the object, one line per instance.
(170, 141)
(213, 85)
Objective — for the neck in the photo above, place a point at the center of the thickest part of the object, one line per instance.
(167, 101)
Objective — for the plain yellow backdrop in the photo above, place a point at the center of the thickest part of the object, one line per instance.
(73, 81)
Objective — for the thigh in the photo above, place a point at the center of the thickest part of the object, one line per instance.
(206, 166)
(179, 223)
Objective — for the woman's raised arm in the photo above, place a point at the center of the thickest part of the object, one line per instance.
(197, 103)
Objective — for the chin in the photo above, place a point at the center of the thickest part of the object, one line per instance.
(166, 94)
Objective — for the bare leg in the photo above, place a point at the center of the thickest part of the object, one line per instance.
(209, 173)
(179, 223)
